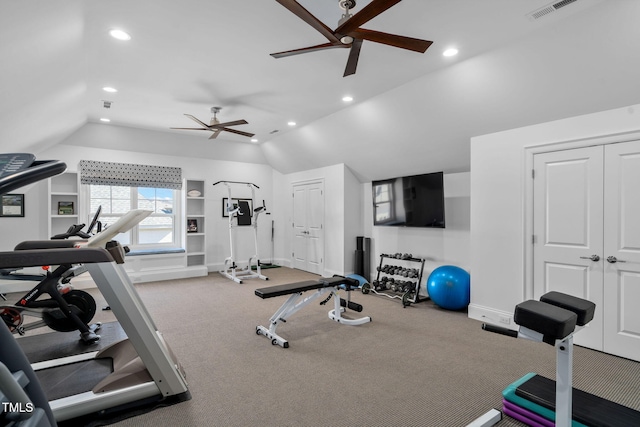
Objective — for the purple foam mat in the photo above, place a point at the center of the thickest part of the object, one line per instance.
(512, 408)
(521, 418)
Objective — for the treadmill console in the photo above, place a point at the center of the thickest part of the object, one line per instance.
(20, 169)
(11, 163)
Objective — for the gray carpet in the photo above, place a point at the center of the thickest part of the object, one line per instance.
(417, 366)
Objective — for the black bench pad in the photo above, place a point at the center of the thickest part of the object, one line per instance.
(583, 308)
(290, 288)
(551, 321)
(308, 285)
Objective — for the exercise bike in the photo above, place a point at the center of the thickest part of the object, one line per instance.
(66, 309)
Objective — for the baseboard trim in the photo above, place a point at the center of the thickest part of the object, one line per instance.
(491, 315)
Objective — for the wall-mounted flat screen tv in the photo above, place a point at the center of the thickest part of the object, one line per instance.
(410, 201)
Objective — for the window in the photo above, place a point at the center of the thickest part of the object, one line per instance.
(157, 230)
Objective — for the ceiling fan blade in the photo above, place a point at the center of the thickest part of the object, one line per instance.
(354, 54)
(234, 123)
(198, 121)
(307, 17)
(417, 45)
(370, 11)
(191, 128)
(215, 134)
(238, 132)
(307, 49)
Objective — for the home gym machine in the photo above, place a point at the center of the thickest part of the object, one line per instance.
(243, 215)
(66, 309)
(539, 401)
(144, 372)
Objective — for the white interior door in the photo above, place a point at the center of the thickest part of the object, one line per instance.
(622, 241)
(308, 231)
(587, 238)
(568, 216)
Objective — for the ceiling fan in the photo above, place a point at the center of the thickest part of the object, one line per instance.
(216, 127)
(349, 34)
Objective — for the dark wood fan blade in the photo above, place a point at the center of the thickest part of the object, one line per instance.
(354, 54)
(234, 123)
(370, 11)
(307, 17)
(308, 49)
(417, 45)
(238, 132)
(215, 134)
(191, 128)
(198, 121)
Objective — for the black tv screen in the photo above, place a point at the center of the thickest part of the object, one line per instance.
(410, 201)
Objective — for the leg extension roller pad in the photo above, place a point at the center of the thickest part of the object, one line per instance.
(581, 307)
(552, 322)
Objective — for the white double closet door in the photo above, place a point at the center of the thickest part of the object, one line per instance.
(586, 219)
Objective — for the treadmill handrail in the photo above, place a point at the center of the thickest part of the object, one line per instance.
(38, 171)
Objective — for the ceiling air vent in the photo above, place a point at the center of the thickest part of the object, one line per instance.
(550, 8)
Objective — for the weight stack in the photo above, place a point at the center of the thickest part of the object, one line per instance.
(362, 265)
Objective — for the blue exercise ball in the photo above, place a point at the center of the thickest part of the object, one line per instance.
(449, 287)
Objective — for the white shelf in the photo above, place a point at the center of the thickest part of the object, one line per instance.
(195, 243)
(62, 188)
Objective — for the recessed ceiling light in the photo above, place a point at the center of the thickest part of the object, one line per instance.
(450, 52)
(254, 140)
(109, 89)
(347, 98)
(119, 34)
(291, 123)
(104, 119)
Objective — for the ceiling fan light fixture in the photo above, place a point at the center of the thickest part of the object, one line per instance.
(346, 40)
(452, 51)
(119, 34)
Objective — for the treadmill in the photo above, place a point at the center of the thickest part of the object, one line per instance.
(142, 368)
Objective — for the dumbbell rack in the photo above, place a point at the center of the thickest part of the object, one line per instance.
(396, 281)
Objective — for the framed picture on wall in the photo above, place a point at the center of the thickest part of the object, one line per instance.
(65, 208)
(192, 226)
(12, 205)
(244, 204)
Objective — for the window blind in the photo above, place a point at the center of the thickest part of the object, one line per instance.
(129, 175)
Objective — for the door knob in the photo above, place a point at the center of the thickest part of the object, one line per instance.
(593, 258)
(613, 259)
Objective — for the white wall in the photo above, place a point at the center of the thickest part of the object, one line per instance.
(498, 182)
(448, 246)
(340, 189)
(192, 168)
(353, 213)
(34, 225)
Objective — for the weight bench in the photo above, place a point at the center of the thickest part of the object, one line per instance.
(322, 287)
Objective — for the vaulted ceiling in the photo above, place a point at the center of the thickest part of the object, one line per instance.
(413, 109)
